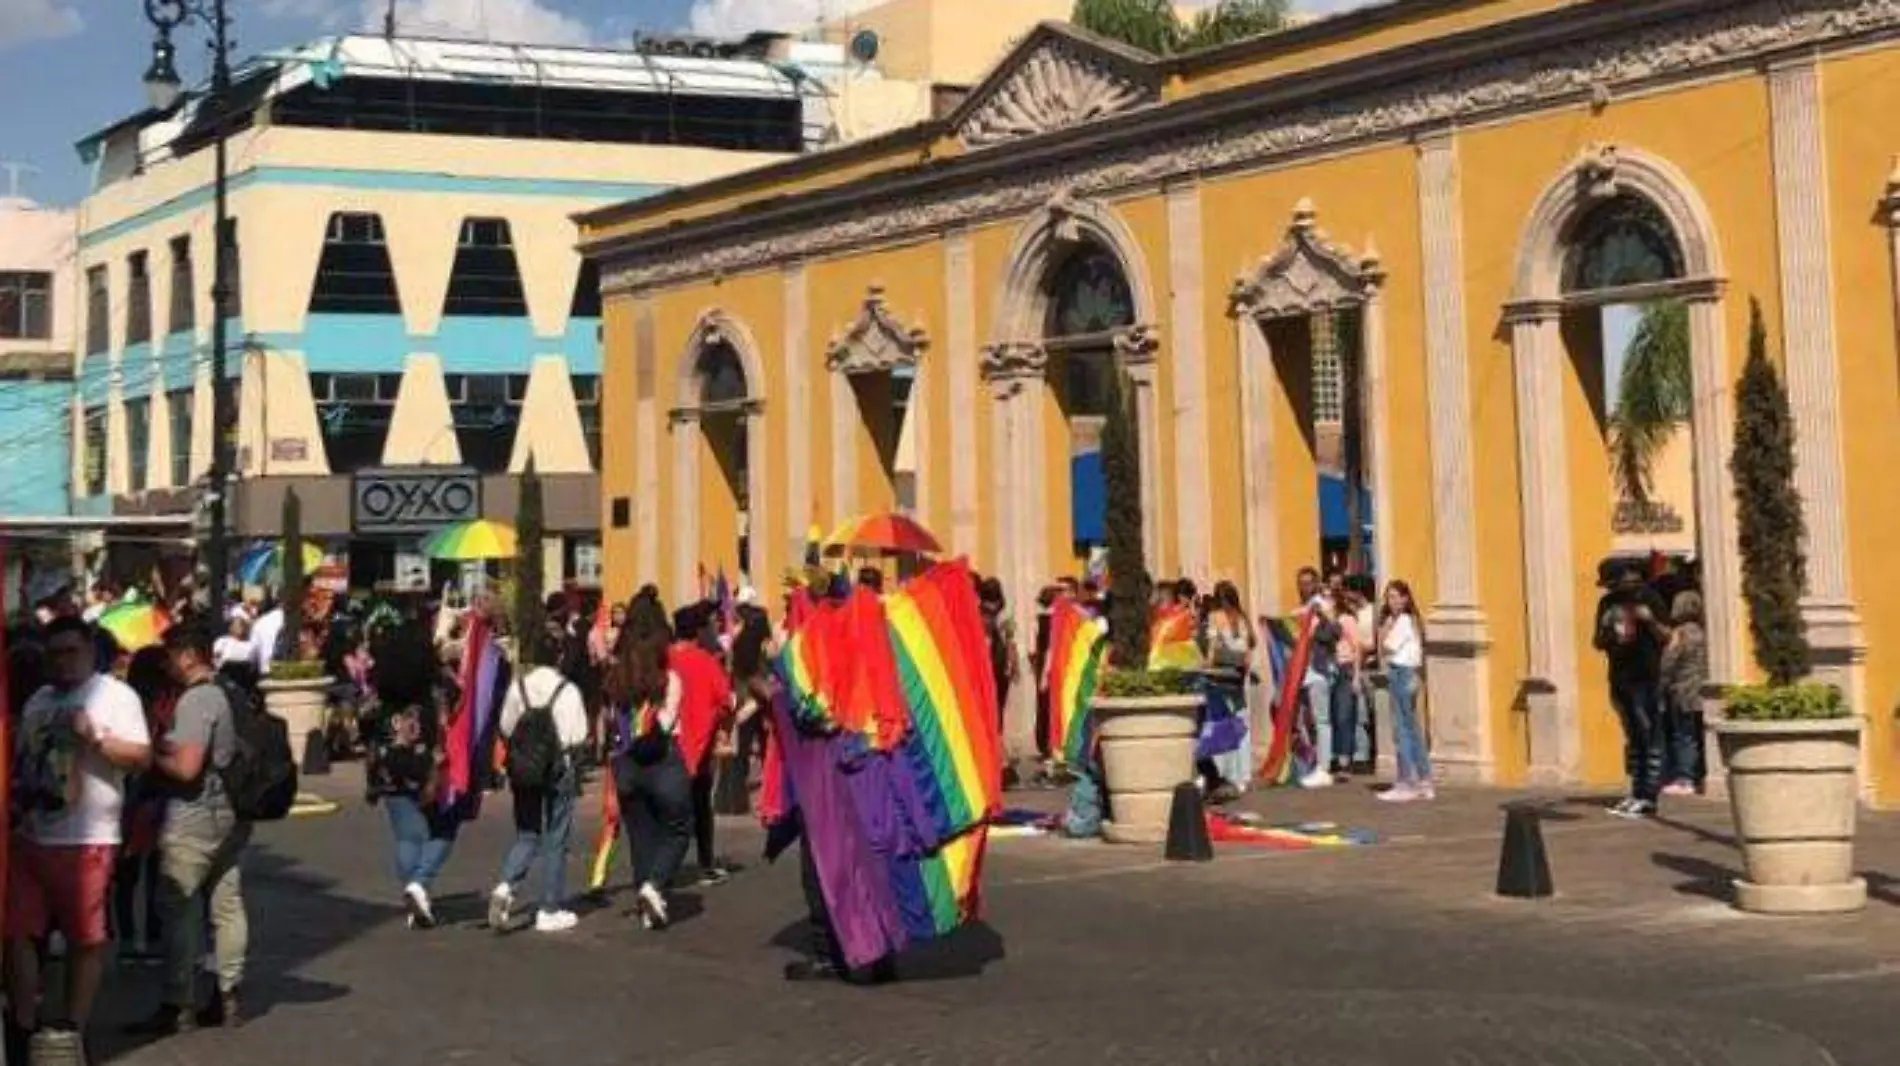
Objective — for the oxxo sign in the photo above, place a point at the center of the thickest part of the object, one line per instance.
(414, 500)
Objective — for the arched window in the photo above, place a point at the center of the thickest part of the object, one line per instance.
(721, 376)
(1623, 241)
(1089, 295)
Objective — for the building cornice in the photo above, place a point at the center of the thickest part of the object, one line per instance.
(1580, 53)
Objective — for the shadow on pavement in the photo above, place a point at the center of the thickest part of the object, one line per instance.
(963, 954)
(1707, 879)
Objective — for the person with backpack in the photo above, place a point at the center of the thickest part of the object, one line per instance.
(203, 841)
(544, 721)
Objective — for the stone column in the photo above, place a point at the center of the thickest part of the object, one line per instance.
(762, 545)
(1372, 406)
(796, 421)
(1136, 349)
(683, 426)
(1550, 689)
(1713, 422)
(1016, 374)
(646, 446)
(1458, 681)
(1188, 350)
(960, 367)
(1814, 386)
(1258, 384)
(844, 448)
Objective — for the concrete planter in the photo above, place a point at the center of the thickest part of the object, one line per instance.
(1794, 790)
(303, 705)
(1147, 749)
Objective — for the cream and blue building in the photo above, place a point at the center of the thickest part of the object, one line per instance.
(410, 323)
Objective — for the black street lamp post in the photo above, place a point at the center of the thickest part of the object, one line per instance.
(164, 87)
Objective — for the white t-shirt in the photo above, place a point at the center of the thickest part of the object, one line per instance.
(92, 788)
(541, 685)
(226, 650)
(1402, 646)
(264, 639)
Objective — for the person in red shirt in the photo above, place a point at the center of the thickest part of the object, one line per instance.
(706, 707)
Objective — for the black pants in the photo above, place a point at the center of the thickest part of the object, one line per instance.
(656, 804)
(1639, 704)
(127, 876)
(703, 814)
(824, 942)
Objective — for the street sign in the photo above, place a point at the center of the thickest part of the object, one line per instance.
(413, 500)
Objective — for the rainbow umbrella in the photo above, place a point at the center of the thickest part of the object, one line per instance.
(260, 562)
(468, 541)
(887, 533)
(135, 625)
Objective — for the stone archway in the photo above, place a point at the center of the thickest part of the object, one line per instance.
(1309, 275)
(871, 361)
(1544, 292)
(720, 387)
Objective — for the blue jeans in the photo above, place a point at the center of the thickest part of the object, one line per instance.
(1640, 706)
(1084, 816)
(1684, 754)
(1319, 700)
(422, 846)
(1345, 713)
(543, 823)
(1408, 733)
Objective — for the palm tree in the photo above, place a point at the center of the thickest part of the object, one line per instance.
(1654, 395)
(1153, 26)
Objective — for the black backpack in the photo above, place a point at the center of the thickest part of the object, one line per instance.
(260, 781)
(534, 748)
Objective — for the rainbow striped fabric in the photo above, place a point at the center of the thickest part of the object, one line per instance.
(1078, 643)
(1171, 643)
(903, 688)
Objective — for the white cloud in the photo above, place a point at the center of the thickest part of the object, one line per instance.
(509, 21)
(735, 18)
(22, 21)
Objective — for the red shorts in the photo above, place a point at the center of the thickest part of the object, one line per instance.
(63, 887)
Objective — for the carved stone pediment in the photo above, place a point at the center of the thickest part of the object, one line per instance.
(877, 341)
(1308, 275)
(1055, 80)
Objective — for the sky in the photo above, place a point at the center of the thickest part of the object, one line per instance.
(71, 67)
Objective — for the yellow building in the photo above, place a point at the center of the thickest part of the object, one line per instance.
(1464, 186)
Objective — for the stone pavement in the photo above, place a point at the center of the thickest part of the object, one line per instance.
(1390, 953)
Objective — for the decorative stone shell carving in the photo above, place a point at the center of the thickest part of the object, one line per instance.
(877, 341)
(1053, 88)
(1309, 274)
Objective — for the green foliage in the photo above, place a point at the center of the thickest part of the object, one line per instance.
(1153, 26)
(295, 592)
(1129, 586)
(1145, 684)
(1654, 395)
(1768, 513)
(529, 605)
(295, 669)
(1786, 703)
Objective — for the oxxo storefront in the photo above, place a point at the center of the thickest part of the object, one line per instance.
(371, 524)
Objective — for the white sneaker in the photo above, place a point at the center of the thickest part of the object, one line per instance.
(1320, 778)
(500, 902)
(1403, 792)
(555, 921)
(652, 907)
(420, 909)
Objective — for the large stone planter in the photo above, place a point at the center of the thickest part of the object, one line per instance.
(1794, 790)
(1147, 749)
(303, 705)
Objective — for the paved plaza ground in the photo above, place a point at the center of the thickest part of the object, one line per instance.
(1390, 953)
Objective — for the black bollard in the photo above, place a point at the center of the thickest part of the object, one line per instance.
(316, 754)
(1187, 826)
(1523, 864)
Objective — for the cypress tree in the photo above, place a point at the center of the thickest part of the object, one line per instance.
(529, 576)
(290, 640)
(1129, 583)
(1768, 512)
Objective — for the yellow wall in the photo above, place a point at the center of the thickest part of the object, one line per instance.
(1861, 96)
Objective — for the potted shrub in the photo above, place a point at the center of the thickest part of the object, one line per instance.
(1792, 748)
(297, 689)
(1147, 722)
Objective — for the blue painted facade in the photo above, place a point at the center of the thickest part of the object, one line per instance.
(37, 435)
(467, 344)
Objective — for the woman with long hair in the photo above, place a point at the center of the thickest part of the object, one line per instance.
(1402, 639)
(404, 737)
(655, 789)
(1230, 647)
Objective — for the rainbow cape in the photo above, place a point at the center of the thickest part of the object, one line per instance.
(1077, 645)
(887, 737)
(1171, 644)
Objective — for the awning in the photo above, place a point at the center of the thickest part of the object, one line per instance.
(1334, 521)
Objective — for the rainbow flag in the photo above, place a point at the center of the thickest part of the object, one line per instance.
(1171, 644)
(471, 733)
(1287, 652)
(952, 716)
(602, 861)
(1078, 643)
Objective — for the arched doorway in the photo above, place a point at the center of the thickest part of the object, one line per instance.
(718, 433)
(1311, 327)
(1618, 233)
